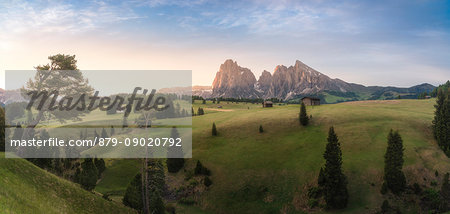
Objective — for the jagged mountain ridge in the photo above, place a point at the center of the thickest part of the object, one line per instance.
(290, 82)
(234, 81)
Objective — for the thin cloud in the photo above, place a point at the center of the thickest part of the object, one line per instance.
(57, 17)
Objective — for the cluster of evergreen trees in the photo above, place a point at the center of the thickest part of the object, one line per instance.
(90, 171)
(147, 198)
(422, 95)
(443, 87)
(332, 183)
(441, 122)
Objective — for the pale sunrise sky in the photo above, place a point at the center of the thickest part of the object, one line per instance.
(395, 43)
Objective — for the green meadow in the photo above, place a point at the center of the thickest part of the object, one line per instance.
(270, 172)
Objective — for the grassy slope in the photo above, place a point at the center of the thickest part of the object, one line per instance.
(269, 172)
(117, 176)
(288, 156)
(25, 188)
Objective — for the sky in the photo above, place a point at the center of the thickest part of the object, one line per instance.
(385, 43)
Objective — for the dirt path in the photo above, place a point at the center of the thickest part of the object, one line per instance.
(218, 109)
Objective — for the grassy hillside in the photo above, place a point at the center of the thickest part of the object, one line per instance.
(25, 188)
(117, 176)
(271, 172)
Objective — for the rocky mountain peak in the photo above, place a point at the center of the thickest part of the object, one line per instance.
(284, 83)
(234, 81)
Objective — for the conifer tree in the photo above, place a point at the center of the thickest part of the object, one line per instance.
(303, 115)
(153, 191)
(438, 122)
(214, 130)
(125, 122)
(156, 185)
(261, 130)
(321, 178)
(18, 131)
(207, 181)
(335, 182)
(2, 129)
(104, 134)
(156, 204)
(393, 159)
(200, 111)
(100, 165)
(174, 162)
(132, 197)
(445, 192)
(204, 102)
(96, 134)
(200, 169)
(88, 176)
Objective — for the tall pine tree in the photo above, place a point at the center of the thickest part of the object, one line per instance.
(441, 122)
(174, 162)
(333, 179)
(393, 163)
(303, 117)
(156, 184)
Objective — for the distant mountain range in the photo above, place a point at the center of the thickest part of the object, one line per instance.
(9, 96)
(299, 80)
(286, 83)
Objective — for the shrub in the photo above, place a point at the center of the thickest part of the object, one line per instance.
(314, 192)
(187, 201)
(201, 170)
(207, 181)
(417, 189)
(170, 209)
(431, 199)
(385, 207)
(312, 202)
(214, 130)
(384, 188)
